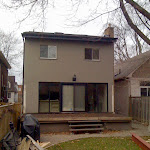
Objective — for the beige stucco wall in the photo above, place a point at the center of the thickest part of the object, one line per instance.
(70, 61)
(122, 93)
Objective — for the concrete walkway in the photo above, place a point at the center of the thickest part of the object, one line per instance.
(138, 128)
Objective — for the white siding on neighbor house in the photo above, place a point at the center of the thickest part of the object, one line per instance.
(135, 86)
(11, 100)
(16, 97)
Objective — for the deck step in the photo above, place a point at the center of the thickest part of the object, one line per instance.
(88, 129)
(86, 125)
(81, 121)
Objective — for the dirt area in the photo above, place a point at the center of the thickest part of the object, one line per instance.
(138, 128)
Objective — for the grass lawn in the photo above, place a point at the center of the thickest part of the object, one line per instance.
(112, 143)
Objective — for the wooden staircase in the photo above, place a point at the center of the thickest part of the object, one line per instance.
(86, 126)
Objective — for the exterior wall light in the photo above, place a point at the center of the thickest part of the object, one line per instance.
(74, 78)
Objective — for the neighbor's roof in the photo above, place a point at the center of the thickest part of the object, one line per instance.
(4, 60)
(68, 37)
(130, 65)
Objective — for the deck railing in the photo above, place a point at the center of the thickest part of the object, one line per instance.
(139, 109)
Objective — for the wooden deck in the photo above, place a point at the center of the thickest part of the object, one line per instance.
(62, 122)
(65, 117)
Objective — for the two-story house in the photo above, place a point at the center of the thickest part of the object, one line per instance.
(68, 72)
(12, 90)
(4, 66)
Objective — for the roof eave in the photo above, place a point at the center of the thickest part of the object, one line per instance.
(69, 38)
(4, 60)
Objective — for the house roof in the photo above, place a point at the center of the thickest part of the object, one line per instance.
(67, 37)
(4, 60)
(13, 87)
(125, 68)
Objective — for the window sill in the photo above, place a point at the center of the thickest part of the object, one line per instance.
(48, 58)
(92, 60)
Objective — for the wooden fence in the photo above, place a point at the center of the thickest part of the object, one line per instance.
(8, 112)
(139, 109)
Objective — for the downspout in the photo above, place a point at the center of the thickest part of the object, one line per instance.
(23, 74)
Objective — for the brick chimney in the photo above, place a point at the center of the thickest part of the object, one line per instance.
(109, 31)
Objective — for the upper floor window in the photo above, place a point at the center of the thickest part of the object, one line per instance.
(92, 54)
(49, 52)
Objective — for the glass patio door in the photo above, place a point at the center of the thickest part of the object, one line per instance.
(67, 98)
(97, 97)
(79, 98)
(73, 97)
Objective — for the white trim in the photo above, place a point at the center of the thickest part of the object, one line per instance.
(145, 87)
(48, 58)
(113, 101)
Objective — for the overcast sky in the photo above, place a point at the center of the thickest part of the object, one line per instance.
(56, 19)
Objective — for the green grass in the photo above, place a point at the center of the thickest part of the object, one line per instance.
(97, 144)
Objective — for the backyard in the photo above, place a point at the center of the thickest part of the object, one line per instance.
(98, 143)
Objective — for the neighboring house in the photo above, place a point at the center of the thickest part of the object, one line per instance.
(68, 72)
(20, 90)
(4, 66)
(12, 90)
(132, 79)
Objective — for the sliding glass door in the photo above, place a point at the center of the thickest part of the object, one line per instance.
(49, 97)
(68, 103)
(73, 98)
(79, 98)
(97, 97)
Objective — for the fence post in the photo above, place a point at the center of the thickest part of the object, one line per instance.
(149, 110)
(130, 106)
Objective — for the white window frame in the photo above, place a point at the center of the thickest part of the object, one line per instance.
(49, 52)
(146, 87)
(92, 54)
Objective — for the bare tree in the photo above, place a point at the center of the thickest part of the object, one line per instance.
(11, 48)
(130, 18)
(39, 7)
(8, 46)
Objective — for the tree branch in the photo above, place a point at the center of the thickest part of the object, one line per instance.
(132, 25)
(139, 8)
